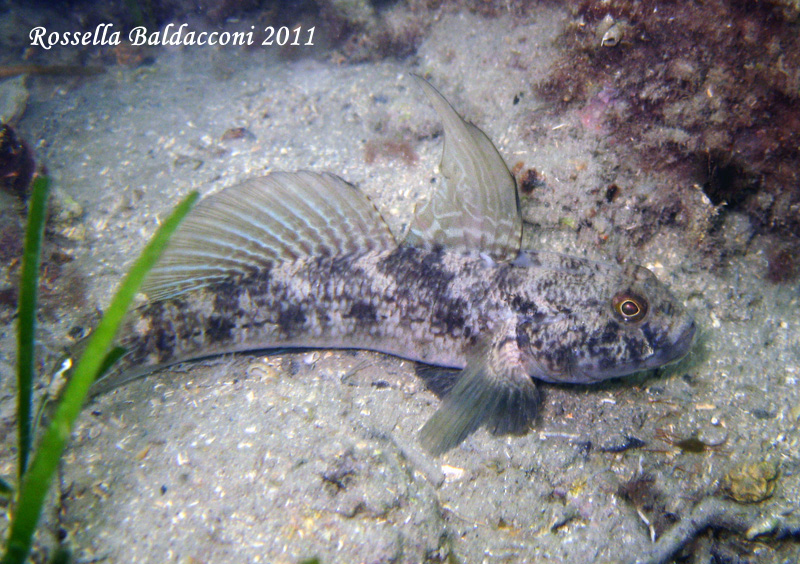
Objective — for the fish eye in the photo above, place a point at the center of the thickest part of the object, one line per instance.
(629, 306)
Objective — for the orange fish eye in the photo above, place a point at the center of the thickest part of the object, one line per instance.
(630, 307)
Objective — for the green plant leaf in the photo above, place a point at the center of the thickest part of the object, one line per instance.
(61, 556)
(36, 481)
(111, 359)
(5, 488)
(26, 323)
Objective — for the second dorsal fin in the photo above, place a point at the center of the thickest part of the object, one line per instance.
(265, 221)
(478, 207)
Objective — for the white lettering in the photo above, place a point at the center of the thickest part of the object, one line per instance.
(138, 36)
(37, 37)
(175, 38)
(101, 28)
(172, 34)
(240, 38)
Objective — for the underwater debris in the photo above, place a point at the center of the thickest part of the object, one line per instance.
(391, 149)
(237, 133)
(694, 443)
(16, 163)
(709, 513)
(751, 482)
(629, 442)
(782, 263)
(529, 180)
(649, 502)
(610, 32)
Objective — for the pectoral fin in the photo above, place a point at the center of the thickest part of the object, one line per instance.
(493, 390)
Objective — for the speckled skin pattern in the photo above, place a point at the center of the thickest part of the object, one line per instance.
(432, 306)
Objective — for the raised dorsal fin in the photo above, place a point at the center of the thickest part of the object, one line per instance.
(478, 207)
(265, 221)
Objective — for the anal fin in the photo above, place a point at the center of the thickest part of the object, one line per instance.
(493, 390)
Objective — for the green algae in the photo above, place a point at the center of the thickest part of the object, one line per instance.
(34, 479)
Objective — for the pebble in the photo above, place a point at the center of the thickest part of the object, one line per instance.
(751, 482)
(13, 100)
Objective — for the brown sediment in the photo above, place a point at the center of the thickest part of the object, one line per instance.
(16, 163)
(393, 149)
(783, 265)
(10, 71)
(528, 180)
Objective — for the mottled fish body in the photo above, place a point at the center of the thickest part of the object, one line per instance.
(408, 302)
(305, 260)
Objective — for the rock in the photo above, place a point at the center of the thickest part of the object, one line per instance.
(13, 100)
(751, 482)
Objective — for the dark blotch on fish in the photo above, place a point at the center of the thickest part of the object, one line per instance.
(219, 328)
(364, 312)
(291, 320)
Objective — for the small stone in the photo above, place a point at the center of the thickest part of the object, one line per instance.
(262, 370)
(237, 133)
(64, 210)
(452, 473)
(76, 233)
(751, 482)
(13, 100)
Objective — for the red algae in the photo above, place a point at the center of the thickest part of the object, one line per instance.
(710, 92)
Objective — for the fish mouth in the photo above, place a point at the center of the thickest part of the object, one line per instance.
(674, 346)
(669, 348)
(681, 342)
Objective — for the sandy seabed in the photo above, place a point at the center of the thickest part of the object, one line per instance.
(283, 457)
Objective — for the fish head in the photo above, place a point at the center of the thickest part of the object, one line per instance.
(588, 321)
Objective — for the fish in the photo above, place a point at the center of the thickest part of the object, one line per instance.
(304, 260)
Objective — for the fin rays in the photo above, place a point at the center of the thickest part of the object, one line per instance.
(478, 207)
(493, 390)
(264, 221)
(246, 229)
